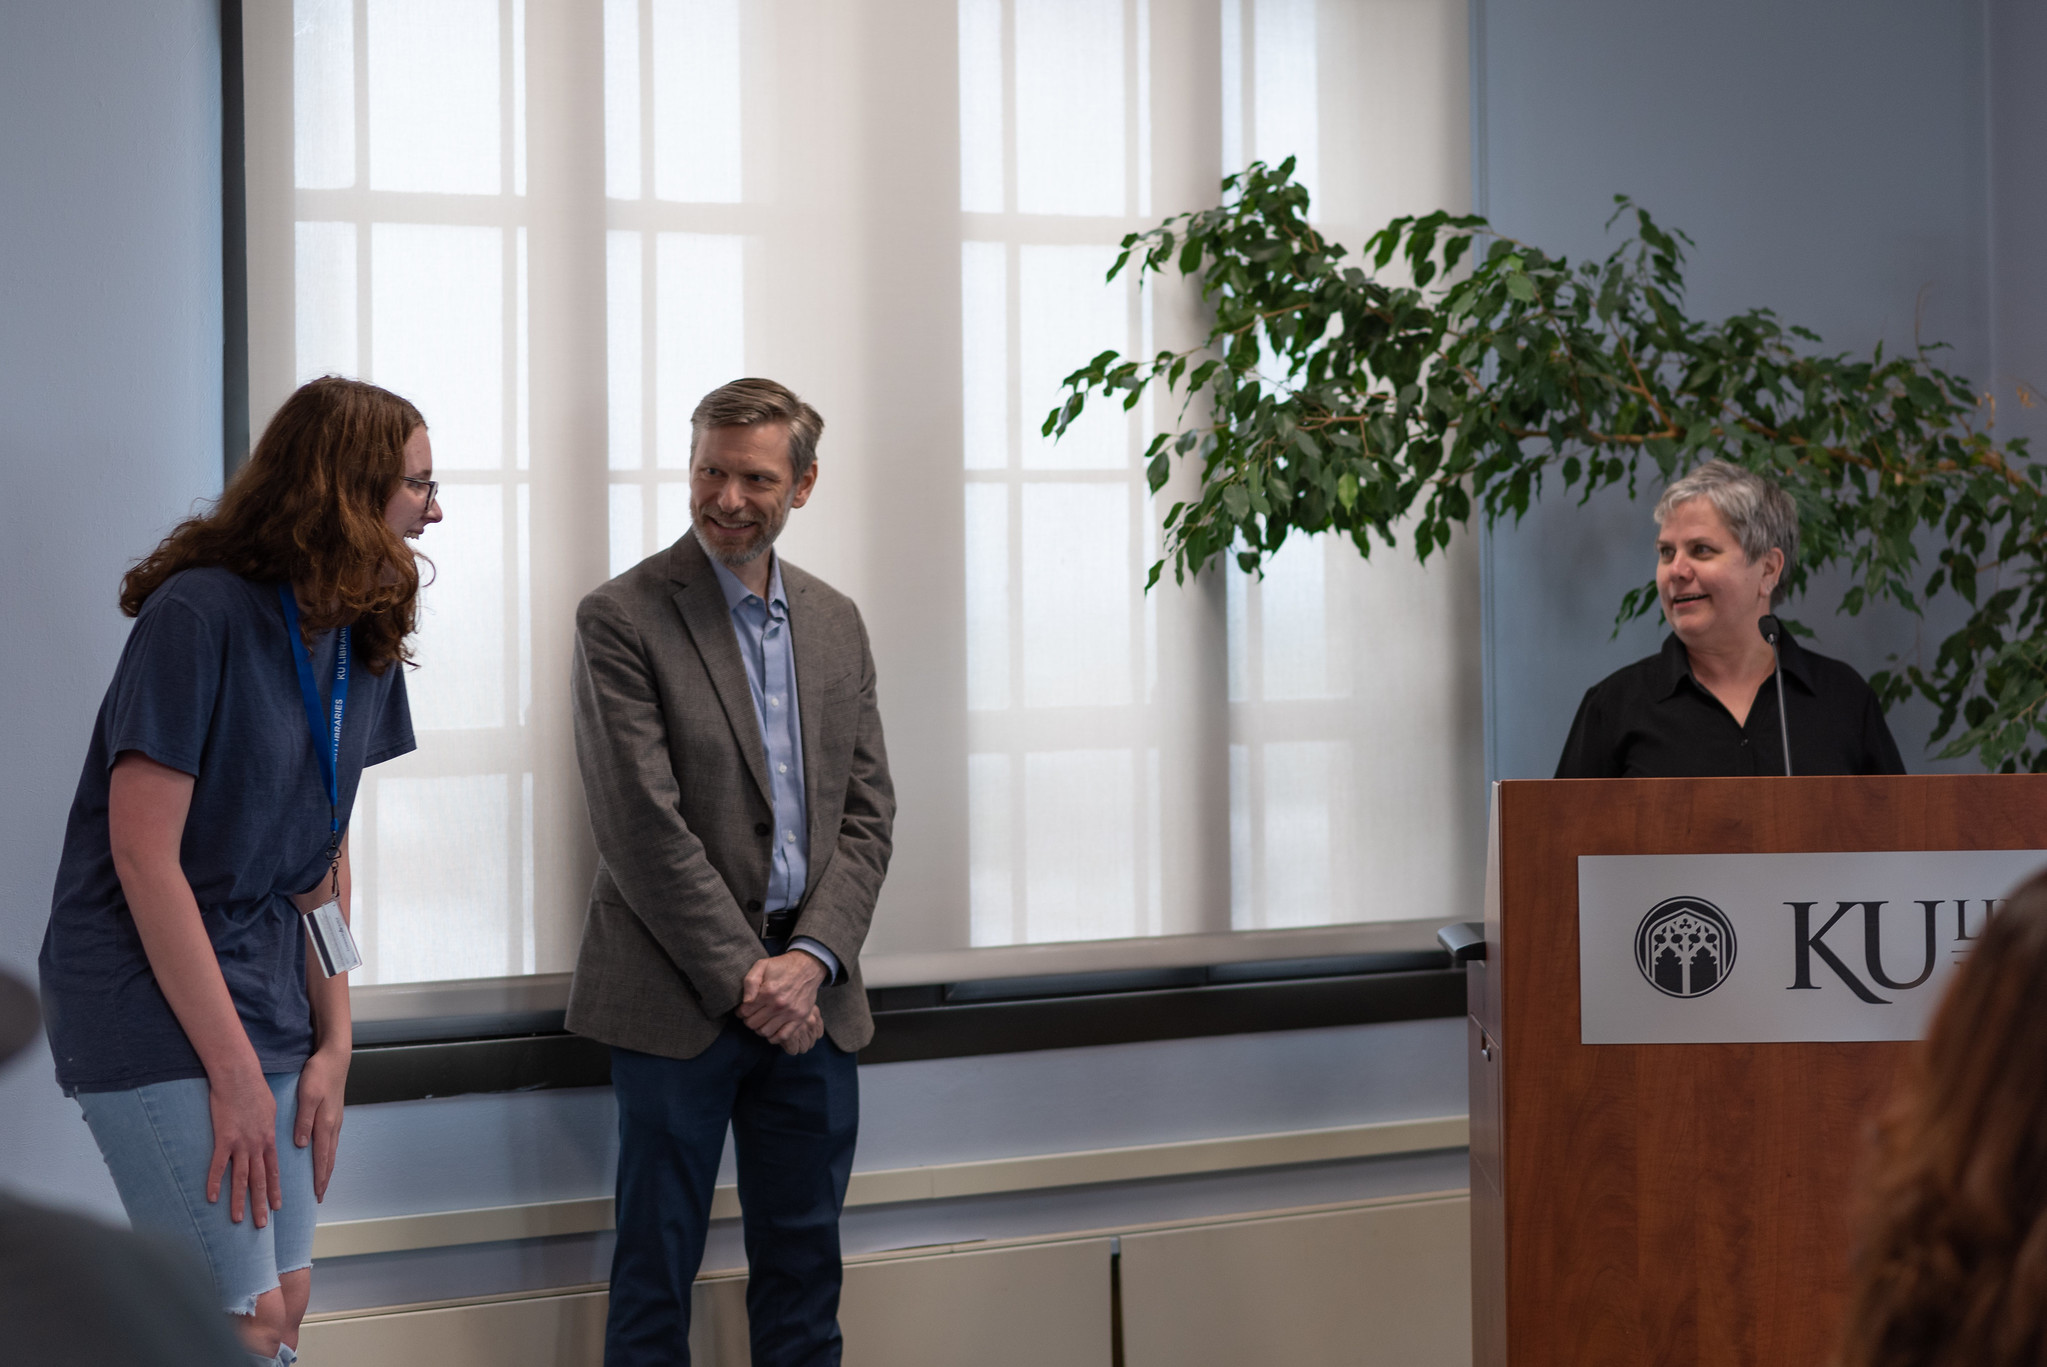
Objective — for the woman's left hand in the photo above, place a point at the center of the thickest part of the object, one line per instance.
(321, 1084)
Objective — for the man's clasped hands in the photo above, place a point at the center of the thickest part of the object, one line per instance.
(779, 1000)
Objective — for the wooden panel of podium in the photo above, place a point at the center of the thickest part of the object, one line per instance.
(1674, 1204)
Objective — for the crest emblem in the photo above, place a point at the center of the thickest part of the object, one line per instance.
(1685, 947)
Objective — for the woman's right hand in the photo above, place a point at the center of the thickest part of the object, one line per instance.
(244, 1144)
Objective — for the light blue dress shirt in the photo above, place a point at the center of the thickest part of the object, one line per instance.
(765, 646)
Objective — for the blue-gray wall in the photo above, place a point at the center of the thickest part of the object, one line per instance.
(2017, 40)
(1830, 159)
(110, 381)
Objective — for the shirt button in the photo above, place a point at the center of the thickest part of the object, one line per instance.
(781, 768)
(774, 702)
(789, 836)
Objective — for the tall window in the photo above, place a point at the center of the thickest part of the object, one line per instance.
(410, 269)
(1353, 718)
(1348, 762)
(556, 228)
(1064, 738)
(675, 252)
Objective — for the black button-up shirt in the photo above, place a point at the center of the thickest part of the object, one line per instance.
(1654, 720)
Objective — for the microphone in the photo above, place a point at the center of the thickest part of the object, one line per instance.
(1772, 629)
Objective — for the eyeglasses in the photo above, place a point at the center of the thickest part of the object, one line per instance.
(432, 486)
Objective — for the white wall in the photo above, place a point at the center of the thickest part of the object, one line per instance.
(110, 427)
(468, 1152)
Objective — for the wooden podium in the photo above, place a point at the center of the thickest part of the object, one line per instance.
(1674, 1204)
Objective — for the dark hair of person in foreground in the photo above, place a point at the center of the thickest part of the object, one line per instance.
(308, 508)
(1950, 1266)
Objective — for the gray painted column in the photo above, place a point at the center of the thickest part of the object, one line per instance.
(110, 429)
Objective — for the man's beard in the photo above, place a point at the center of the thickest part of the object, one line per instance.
(763, 537)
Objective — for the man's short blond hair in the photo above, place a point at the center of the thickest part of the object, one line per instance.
(749, 402)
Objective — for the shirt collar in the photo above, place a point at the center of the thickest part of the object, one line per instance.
(1796, 662)
(1677, 664)
(737, 593)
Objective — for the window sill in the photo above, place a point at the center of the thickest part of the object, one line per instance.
(529, 1051)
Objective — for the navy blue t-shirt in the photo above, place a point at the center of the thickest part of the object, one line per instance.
(206, 685)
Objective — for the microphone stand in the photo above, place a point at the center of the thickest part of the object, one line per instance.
(1771, 629)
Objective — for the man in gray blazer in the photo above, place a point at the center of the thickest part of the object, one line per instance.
(732, 757)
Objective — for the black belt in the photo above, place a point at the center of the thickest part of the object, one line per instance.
(779, 925)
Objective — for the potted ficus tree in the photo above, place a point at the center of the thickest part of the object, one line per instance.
(1328, 398)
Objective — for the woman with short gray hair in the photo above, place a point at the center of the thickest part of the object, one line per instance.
(1706, 705)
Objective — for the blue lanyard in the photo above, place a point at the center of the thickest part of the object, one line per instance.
(329, 754)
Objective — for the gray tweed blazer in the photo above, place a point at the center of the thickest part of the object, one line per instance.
(676, 780)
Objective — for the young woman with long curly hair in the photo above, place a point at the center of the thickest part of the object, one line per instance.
(1951, 1263)
(205, 1041)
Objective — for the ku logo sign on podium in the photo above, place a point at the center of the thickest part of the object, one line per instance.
(1756, 948)
(1685, 947)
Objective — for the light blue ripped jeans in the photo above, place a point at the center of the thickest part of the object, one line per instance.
(157, 1141)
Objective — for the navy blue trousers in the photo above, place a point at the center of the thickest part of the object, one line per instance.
(793, 1122)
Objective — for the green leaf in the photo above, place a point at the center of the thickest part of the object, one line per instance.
(1326, 398)
(1158, 471)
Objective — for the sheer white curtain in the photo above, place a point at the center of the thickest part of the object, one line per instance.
(555, 228)
(404, 194)
(1355, 733)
